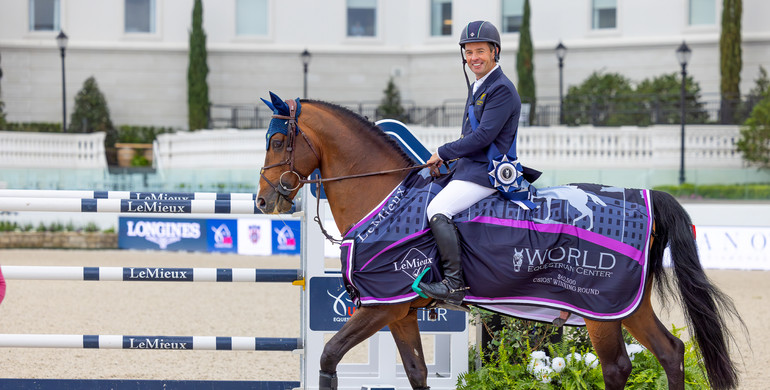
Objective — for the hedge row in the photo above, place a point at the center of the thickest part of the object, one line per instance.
(719, 191)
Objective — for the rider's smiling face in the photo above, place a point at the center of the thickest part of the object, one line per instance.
(480, 57)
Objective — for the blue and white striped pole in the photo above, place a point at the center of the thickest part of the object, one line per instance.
(126, 195)
(155, 274)
(210, 343)
(135, 206)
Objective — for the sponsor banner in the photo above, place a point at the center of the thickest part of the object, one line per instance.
(222, 235)
(162, 233)
(286, 237)
(255, 237)
(732, 247)
(331, 307)
(157, 342)
(158, 274)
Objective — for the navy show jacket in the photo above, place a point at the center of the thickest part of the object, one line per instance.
(497, 107)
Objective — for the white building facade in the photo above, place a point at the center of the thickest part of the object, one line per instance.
(137, 50)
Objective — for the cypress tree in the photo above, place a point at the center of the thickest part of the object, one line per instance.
(197, 71)
(730, 58)
(2, 105)
(91, 112)
(525, 67)
(390, 106)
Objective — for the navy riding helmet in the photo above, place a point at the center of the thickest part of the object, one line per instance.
(481, 31)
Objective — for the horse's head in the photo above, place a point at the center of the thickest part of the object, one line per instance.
(288, 161)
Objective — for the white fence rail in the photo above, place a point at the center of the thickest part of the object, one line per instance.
(233, 149)
(614, 147)
(584, 147)
(52, 150)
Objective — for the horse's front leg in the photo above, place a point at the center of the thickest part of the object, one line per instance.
(365, 322)
(406, 334)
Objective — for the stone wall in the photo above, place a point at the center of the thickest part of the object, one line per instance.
(64, 240)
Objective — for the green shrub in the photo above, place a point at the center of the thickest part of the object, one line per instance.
(754, 142)
(661, 96)
(91, 227)
(718, 191)
(34, 127)
(611, 100)
(139, 161)
(91, 113)
(140, 134)
(390, 106)
(602, 100)
(521, 361)
(2, 115)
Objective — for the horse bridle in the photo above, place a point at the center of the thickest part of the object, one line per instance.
(284, 191)
(291, 135)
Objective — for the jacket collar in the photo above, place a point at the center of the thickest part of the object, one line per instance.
(490, 78)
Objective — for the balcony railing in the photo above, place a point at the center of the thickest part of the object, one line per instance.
(628, 110)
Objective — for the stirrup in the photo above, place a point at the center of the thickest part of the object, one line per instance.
(417, 281)
(450, 306)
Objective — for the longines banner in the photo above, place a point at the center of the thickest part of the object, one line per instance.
(253, 236)
(170, 234)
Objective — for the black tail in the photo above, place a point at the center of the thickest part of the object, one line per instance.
(704, 304)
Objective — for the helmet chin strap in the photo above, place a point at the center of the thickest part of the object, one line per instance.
(467, 80)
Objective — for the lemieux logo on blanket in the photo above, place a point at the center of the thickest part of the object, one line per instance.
(413, 263)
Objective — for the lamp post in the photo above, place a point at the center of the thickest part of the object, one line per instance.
(561, 52)
(683, 54)
(61, 41)
(305, 56)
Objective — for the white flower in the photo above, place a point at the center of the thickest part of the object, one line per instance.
(591, 360)
(573, 356)
(632, 349)
(535, 365)
(538, 355)
(558, 364)
(544, 374)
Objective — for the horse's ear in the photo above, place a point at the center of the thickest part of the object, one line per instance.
(280, 106)
(268, 104)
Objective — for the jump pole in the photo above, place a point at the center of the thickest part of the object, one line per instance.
(184, 343)
(154, 274)
(136, 206)
(126, 195)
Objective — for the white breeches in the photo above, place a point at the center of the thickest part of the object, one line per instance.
(457, 196)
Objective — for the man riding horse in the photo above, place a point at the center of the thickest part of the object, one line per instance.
(485, 154)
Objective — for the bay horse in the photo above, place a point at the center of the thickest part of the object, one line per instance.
(359, 161)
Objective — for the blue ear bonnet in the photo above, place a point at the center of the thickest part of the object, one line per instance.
(276, 126)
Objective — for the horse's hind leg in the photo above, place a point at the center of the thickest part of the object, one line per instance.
(645, 326)
(607, 339)
(406, 334)
(365, 322)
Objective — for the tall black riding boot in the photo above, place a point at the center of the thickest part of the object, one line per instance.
(452, 288)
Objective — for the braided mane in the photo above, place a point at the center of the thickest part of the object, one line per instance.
(363, 123)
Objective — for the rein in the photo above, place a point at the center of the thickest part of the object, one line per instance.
(285, 191)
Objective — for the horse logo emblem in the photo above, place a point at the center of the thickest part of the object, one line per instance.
(518, 259)
(575, 198)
